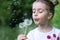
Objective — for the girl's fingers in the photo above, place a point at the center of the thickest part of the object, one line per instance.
(22, 37)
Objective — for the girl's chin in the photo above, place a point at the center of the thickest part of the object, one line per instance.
(36, 23)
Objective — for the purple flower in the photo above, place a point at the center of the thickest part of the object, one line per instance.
(49, 37)
(58, 38)
(54, 35)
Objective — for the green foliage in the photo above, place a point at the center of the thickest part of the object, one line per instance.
(6, 33)
(56, 18)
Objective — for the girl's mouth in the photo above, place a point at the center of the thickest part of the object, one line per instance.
(36, 19)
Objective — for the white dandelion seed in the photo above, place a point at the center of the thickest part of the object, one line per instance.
(28, 22)
(25, 24)
(21, 25)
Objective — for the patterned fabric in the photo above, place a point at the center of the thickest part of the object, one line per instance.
(54, 37)
(35, 34)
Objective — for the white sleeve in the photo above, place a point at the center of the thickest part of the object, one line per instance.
(59, 35)
(30, 36)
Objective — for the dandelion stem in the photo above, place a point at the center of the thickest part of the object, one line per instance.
(25, 31)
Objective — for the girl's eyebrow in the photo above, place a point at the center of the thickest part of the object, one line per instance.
(38, 9)
(33, 9)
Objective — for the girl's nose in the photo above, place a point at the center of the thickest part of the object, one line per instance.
(36, 13)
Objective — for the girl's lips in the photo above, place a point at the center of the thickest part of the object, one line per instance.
(36, 19)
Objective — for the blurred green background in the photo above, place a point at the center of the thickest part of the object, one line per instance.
(13, 12)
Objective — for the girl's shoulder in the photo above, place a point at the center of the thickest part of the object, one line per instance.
(34, 30)
(56, 29)
(31, 33)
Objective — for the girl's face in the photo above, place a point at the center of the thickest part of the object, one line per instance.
(40, 14)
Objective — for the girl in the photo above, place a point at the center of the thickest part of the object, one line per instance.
(42, 13)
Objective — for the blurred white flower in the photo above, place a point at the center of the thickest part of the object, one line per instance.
(25, 14)
(21, 25)
(26, 23)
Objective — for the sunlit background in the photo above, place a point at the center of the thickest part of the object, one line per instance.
(15, 16)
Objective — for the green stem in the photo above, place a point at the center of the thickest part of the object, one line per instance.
(25, 30)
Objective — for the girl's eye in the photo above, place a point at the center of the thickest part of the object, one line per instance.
(33, 12)
(40, 11)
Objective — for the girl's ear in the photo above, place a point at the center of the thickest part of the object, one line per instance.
(50, 16)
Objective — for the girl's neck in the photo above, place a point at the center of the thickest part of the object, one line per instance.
(45, 28)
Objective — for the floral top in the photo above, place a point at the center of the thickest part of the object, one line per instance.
(35, 34)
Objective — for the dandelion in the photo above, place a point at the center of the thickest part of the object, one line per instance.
(28, 22)
(21, 25)
(25, 24)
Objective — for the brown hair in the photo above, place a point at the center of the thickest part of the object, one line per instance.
(51, 5)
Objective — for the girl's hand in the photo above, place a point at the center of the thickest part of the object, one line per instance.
(22, 37)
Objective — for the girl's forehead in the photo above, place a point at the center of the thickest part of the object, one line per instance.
(39, 5)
